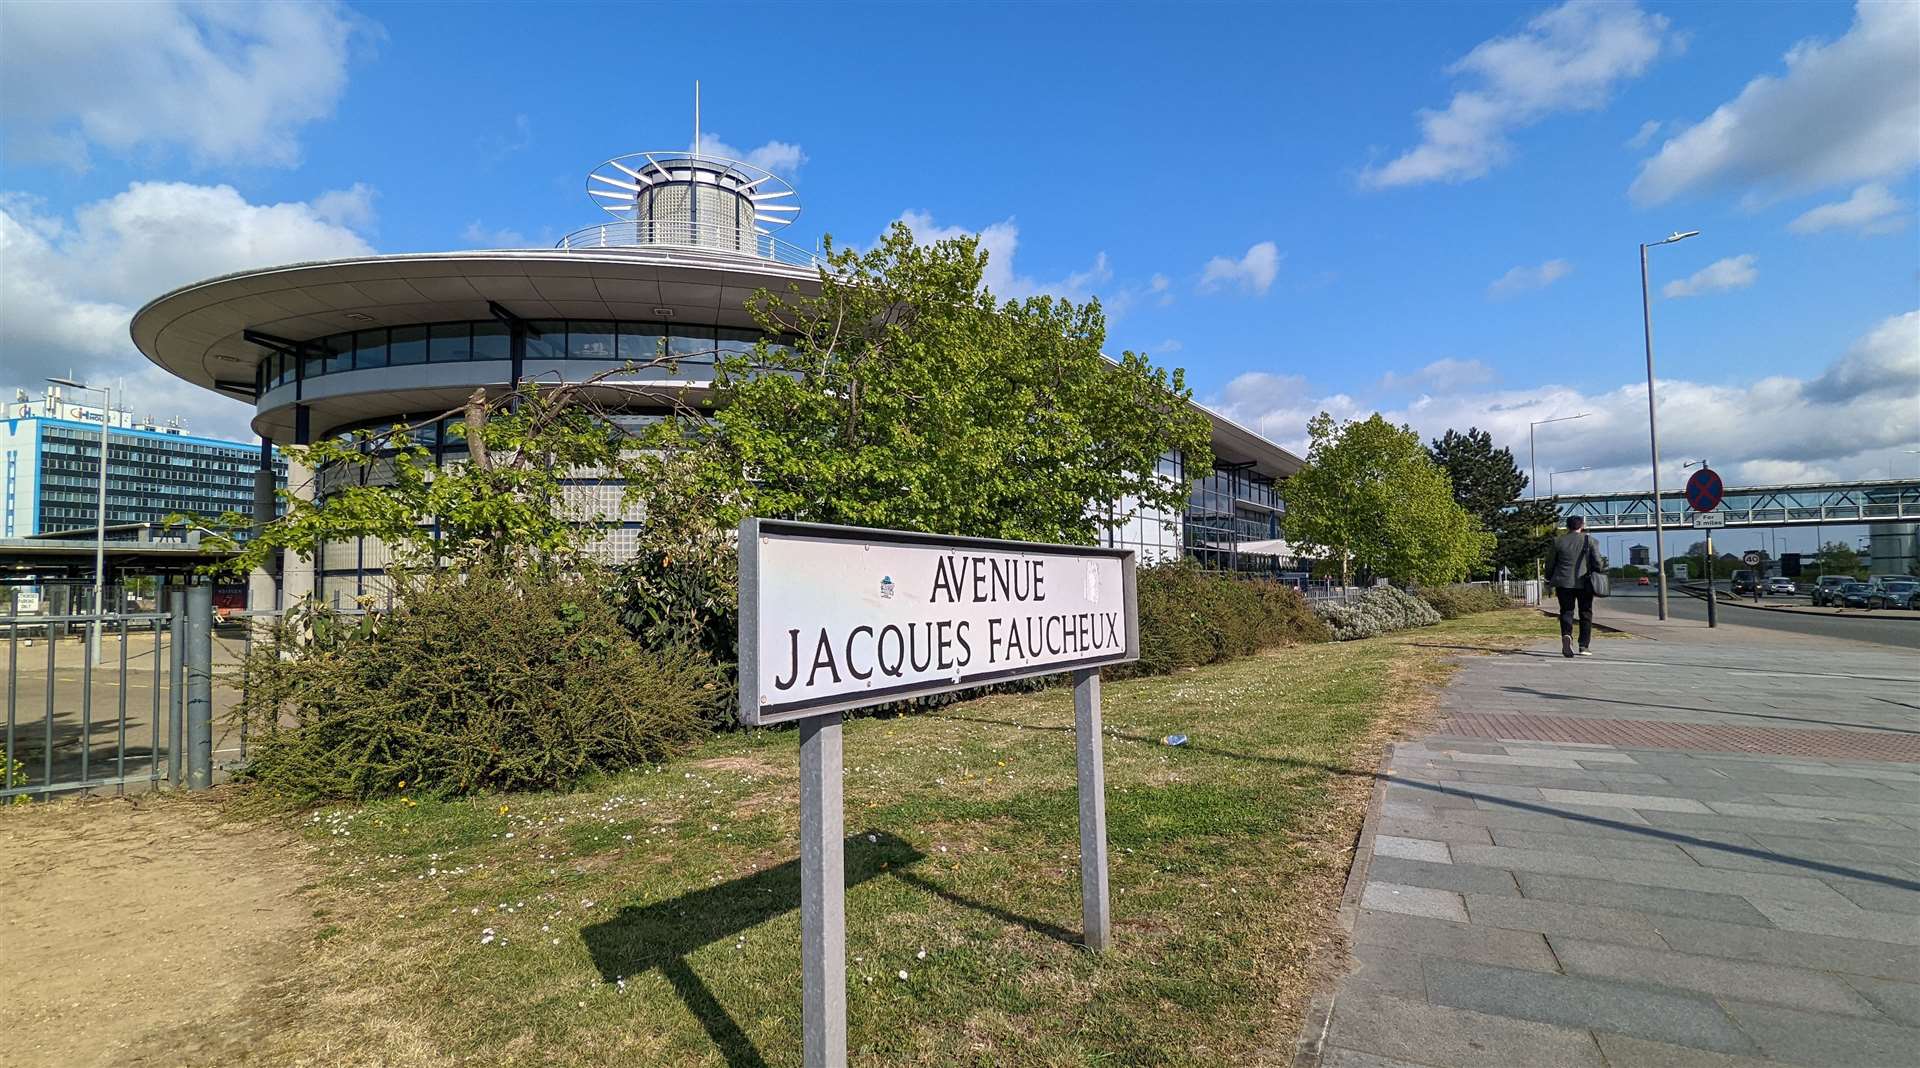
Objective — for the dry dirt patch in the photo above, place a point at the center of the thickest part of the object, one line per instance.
(141, 932)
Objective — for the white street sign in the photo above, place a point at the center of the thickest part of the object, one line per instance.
(1704, 520)
(834, 618)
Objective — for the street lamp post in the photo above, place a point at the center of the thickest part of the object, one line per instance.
(1533, 466)
(1653, 429)
(100, 516)
(1563, 471)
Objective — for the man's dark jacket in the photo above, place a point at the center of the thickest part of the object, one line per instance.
(1572, 559)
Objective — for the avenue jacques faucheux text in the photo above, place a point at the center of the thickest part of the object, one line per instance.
(951, 646)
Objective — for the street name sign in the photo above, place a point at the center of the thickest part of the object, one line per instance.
(1705, 520)
(835, 618)
(1705, 489)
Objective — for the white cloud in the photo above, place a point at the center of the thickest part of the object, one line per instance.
(1160, 287)
(1445, 376)
(1870, 210)
(1170, 345)
(779, 157)
(1567, 59)
(478, 236)
(1524, 278)
(1251, 273)
(79, 280)
(1845, 111)
(231, 83)
(1000, 241)
(1644, 134)
(498, 146)
(1848, 421)
(1734, 272)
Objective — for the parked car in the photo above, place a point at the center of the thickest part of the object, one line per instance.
(1895, 594)
(1823, 590)
(1852, 595)
(1746, 582)
(1782, 585)
(1643, 581)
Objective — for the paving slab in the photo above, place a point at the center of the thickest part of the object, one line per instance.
(1819, 1039)
(1702, 850)
(1747, 980)
(1444, 1037)
(1684, 1019)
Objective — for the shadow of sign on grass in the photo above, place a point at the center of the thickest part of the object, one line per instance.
(662, 935)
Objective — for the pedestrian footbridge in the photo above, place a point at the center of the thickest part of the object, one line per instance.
(1805, 504)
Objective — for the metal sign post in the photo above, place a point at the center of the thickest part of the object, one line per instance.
(836, 618)
(1704, 492)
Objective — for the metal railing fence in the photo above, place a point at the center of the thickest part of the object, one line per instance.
(126, 717)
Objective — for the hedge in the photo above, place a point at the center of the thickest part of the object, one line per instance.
(1452, 602)
(1375, 611)
(1190, 617)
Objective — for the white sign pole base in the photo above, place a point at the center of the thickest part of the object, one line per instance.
(1094, 914)
(823, 898)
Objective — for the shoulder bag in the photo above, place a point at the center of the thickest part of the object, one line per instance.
(1598, 580)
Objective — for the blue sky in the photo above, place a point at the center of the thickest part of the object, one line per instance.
(1426, 209)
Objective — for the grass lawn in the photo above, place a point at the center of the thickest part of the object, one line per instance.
(652, 919)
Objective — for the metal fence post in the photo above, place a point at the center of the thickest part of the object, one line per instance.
(199, 686)
(176, 671)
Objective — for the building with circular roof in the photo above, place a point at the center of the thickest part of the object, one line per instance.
(328, 347)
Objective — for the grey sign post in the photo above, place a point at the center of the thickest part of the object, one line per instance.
(836, 618)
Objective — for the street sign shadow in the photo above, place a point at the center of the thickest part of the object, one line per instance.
(661, 935)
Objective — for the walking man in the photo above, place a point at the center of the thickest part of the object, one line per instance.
(1570, 567)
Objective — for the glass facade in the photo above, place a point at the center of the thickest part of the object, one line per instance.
(490, 339)
(1232, 506)
(150, 476)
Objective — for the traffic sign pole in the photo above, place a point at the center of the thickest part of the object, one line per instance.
(1713, 595)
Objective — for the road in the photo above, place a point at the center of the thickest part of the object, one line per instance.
(1899, 633)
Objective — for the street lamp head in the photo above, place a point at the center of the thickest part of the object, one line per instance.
(1680, 236)
(69, 382)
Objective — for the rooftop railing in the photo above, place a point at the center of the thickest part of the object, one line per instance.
(638, 234)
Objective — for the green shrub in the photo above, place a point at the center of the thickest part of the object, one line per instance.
(1375, 611)
(1190, 617)
(1452, 602)
(494, 678)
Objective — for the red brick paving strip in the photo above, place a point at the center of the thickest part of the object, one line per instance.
(1649, 734)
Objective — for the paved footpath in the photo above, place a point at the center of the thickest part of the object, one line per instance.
(1694, 848)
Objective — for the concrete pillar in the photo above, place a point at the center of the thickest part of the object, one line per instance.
(263, 590)
(1892, 548)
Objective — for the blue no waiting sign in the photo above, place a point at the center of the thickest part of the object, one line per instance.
(1704, 490)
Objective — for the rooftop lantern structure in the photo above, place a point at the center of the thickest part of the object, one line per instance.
(691, 199)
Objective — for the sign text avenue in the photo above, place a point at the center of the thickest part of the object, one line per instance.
(844, 617)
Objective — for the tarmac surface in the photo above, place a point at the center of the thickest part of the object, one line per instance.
(1693, 848)
(1857, 625)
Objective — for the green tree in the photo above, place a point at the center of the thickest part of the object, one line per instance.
(1371, 497)
(906, 395)
(1839, 558)
(504, 504)
(1488, 484)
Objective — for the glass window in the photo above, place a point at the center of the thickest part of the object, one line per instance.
(282, 370)
(339, 353)
(313, 366)
(693, 344)
(492, 340)
(590, 340)
(450, 342)
(407, 344)
(733, 341)
(552, 342)
(370, 348)
(641, 342)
